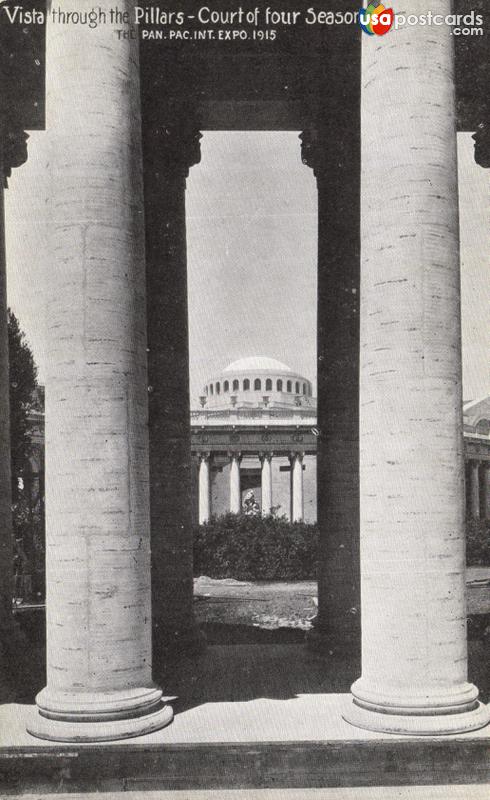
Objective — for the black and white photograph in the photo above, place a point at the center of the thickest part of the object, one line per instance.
(245, 400)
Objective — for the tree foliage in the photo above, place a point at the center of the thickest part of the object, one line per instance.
(256, 548)
(23, 383)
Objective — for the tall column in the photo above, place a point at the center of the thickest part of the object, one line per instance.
(266, 483)
(204, 488)
(474, 488)
(414, 653)
(297, 487)
(169, 152)
(13, 153)
(337, 171)
(235, 492)
(486, 490)
(99, 657)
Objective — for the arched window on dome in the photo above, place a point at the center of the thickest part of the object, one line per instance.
(226, 386)
(296, 388)
(236, 385)
(246, 385)
(289, 386)
(218, 387)
(304, 389)
(268, 385)
(257, 385)
(211, 388)
(279, 385)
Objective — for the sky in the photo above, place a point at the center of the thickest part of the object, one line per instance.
(251, 239)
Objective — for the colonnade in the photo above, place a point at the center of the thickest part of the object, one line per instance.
(411, 510)
(478, 489)
(235, 494)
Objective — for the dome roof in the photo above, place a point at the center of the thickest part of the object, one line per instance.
(254, 363)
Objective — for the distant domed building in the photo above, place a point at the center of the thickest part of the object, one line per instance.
(258, 382)
(254, 435)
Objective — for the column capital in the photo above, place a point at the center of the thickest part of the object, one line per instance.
(13, 141)
(237, 456)
(481, 138)
(204, 456)
(316, 149)
(177, 147)
(265, 456)
(296, 454)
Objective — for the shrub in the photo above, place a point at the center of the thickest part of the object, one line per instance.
(477, 542)
(256, 548)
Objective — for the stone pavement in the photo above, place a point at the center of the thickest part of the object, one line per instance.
(462, 792)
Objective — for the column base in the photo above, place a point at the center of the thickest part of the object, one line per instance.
(169, 643)
(437, 724)
(64, 716)
(327, 643)
(63, 731)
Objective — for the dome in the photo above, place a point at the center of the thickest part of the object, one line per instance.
(254, 363)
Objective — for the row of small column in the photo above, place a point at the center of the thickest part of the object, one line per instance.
(478, 489)
(297, 491)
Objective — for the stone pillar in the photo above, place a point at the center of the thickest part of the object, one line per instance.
(414, 653)
(169, 151)
(486, 490)
(474, 488)
(235, 492)
(266, 483)
(99, 656)
(337, 171)
(297, 508)
(204, 488)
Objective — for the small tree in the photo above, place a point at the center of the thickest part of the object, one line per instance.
(27, 523)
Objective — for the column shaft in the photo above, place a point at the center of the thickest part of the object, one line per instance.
(99, 657)
(297, 488)
(474, 489)
(337, 170)
(486, 490)
(266, 484)
(169, 150)
(235, 492)
(414, 671)
(204, 489)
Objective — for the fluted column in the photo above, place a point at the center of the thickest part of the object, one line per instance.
(297, 508)
(99, 657)
(170, 150)
(204, 489)
(414, 653)
(13, 153)
(474, 488)
(486, 490)
(266, 483)
(235, 492)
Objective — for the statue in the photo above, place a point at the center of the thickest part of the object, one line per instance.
(250, 506)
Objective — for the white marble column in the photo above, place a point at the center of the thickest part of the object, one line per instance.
(486, 490)
(99, 655)
(235, 492)
(266, 483)
(204, 488)
(414, 654)
(297, 487)
(474, 488)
